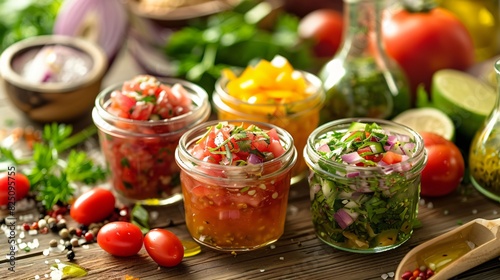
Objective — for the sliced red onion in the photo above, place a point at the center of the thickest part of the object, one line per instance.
(352, 158)
(104, 22)
(343, 218)
(254, 159)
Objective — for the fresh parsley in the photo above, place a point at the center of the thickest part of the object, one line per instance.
(54, 168)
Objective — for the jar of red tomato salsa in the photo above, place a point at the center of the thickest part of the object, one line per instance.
(140, 122)
(273, 92)
(235, 178)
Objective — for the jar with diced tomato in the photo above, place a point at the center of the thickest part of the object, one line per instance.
(140, 122)
(235, 178)
(273, 92)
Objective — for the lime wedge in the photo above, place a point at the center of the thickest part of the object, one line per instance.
(464, 98)
(427, 120)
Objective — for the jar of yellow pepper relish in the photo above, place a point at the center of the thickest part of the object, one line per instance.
(273, 92)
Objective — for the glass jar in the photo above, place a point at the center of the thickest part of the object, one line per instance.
(140, 154)
(484, 154)
(380, 201)
(362, 80)
(235, 208)
(299, 118)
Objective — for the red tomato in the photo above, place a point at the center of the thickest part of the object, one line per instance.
(445, 166)
(324, 28)
(391, 157)
(93, 206)
(425, 42)
(164, 247)
(13, 185)
(122, 239)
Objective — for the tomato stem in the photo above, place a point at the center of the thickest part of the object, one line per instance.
(419, 6)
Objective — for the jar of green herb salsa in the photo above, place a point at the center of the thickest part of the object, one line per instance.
(364, 183)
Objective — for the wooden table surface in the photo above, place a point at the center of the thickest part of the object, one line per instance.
(298, 254)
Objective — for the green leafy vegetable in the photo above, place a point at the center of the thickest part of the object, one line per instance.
(52, 178)
(20, 19)
(201, 50)
(140, 217)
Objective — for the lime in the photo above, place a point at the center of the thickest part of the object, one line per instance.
(427, 120)
(464, 98)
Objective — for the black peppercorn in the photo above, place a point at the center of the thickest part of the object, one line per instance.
(70, 255)
(53, 227)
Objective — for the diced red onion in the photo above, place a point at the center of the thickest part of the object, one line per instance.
(254, 159)
(352, 158)
(403, 138)
(324, 148)
(391, 139)
(408, 148)
(352, 174)
(343, 218)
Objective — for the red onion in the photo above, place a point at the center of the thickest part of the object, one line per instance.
(343, 218)
(104, 22)
(352, 158)
(324, 148)
(254, 159)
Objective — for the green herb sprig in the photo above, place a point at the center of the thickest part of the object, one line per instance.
(52, 178)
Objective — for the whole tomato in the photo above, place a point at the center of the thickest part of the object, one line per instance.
(93, 206)
(425, 42)
(324, 28)
(164, 247)
(445, 166)
(122, 239)
(13, 185)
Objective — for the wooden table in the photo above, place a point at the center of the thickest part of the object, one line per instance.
(298, 254)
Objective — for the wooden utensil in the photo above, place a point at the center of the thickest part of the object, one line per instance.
(474, 243)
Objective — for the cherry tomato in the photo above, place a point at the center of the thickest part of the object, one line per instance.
(122, 239)
(13, 184)
(93, 206)
(445, 166)
(425, 42)
(324, 28)
(164, 247)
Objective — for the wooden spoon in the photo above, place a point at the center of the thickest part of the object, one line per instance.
(464, 247)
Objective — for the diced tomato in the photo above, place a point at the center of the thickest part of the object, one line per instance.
(276, 148)
(273, 134)
(392, 157)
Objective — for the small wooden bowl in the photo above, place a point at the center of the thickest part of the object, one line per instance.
(56, 101)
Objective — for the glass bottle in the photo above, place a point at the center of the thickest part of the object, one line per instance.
(362, 80)
(481, 18)
(484, 155)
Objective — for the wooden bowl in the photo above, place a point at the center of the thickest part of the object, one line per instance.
(52, 101)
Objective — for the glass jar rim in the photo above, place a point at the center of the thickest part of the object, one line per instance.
(317, 97)
(103, 118)
(417, 161)
(186, 160)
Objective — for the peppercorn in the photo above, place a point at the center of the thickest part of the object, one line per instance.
(70, 255)
(89, 236)
(68, 246)
(53, 243)
(26, 226)
(74, 242)
(53, 227)
(64, 233)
